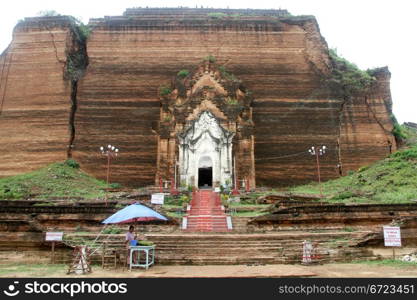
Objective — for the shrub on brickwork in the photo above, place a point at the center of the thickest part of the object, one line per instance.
(346, 78)
(164, 91)
(210, 58)
(183, 73)
(72, 163)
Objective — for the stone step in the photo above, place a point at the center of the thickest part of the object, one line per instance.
(255, 236)
(206, 214)
(209, 238)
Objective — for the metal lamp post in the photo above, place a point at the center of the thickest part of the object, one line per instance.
(318, 151)
(235, 190)
(111, 152)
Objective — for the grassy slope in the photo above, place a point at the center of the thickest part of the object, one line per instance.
(62, 180)
(392, 180)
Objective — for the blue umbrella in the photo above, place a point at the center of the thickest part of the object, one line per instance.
(132, 213)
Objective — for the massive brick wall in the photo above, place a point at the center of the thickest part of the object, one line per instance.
(282, 60)
(34, 97)
(366, 125)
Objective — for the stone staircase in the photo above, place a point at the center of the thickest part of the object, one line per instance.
(276, 248)
(207, 248)
(206, 213)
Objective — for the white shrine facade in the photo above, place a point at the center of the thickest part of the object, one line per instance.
(205, 132)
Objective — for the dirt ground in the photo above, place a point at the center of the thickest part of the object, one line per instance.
(237, 271)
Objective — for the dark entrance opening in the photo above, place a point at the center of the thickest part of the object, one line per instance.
(205, 177)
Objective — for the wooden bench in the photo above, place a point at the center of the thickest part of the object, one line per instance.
(114, 253)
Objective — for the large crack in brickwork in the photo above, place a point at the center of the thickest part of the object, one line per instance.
(387, 132)
(339, 155)
(76, 64)
(71, 123)
(55, 47)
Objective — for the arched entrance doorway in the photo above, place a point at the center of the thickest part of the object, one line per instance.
(205, 172)
(206, 114)
(205, 151)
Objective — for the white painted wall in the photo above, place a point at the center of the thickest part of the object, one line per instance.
(205, 144)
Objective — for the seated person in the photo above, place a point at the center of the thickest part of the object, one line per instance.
(132, 240)
(130, 236)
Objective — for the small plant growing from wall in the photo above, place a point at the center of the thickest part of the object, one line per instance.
(183, 73)
(210, 58)
(72, 163)
(231, 101)
(167, 118)
(164, 91)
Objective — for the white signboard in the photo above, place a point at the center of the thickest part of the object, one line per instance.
(54, 236)
(392, 236)
(217, 190)
(157, 198)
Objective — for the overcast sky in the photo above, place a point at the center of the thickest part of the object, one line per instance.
(370, 33)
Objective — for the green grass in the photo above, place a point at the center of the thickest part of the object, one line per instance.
(339, 240)
(349, 229)
(171, 206)
(174, 214)
(387, 262)
(391, 180)
(58, 180)
(239, 204)
(248, 214)
(31, 270)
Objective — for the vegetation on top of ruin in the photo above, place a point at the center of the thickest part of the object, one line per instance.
(401, 133)
(217, 15)
(391, 180)
(77, 58)
(48, 13)
(284, 15)
(59, 180)
(346, 78)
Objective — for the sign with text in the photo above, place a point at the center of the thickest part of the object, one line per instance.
(157, 198)
(54, 236)
(392, 236)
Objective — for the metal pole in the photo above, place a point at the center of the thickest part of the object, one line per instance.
(318, 173)
(235, 190)
(108, 167)
(234, 171)
(53, 252)
(175, 175)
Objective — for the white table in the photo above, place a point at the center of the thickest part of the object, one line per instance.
(149, 256)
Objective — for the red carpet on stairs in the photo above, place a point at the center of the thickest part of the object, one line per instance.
(206, 214)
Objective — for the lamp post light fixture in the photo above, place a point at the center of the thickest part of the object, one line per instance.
(318, 151)
(111, 152)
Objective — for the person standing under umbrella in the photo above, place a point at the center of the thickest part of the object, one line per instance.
(130, 240)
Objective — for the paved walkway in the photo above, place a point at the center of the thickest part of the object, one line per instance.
(237, 271)
(219, 271)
